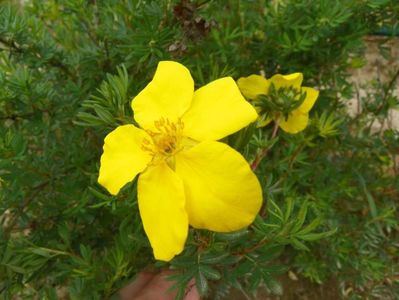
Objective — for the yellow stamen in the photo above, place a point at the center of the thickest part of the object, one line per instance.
(166, 138)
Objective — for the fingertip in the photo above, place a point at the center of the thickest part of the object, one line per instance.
(130, 291)
(192, 292)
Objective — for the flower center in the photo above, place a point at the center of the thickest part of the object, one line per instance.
(165, 138)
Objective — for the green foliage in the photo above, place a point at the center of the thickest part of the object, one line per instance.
(68, 70)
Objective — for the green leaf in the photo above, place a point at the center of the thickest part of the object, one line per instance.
(369, 197)
(289, 209)
(231, 236)
(313, 225)
(254, 281)
(300, 219)
(275, 210)
(100, 195)
(16, 269)
(269, 253)
(85, 252)
(213, 258)
(272, 285)
(210, 273)
(276, 269)
(41, 252)
(316, 236)
(202, 283)
(298, 245)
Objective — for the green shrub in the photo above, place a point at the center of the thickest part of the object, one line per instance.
(68, 71)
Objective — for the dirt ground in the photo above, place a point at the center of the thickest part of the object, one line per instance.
(377, 69)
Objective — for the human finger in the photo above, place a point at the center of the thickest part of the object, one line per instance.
(131, 291)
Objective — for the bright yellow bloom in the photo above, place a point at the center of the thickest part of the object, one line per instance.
(187, 177)
(297, 120)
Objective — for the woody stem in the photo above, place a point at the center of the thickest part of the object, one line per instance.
(262, 154)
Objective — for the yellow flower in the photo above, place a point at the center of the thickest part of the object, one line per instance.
(297, 119)
(187, 177)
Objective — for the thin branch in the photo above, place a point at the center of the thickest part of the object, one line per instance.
(262, 154)
(252, 248)
(16, 116)
(23, 207)
(53, 62)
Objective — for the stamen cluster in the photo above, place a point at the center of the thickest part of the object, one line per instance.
(165, 138)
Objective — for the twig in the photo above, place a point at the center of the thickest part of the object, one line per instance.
(16, 116)
(252, 248)
(262, 154)
(24, 205)
(391, 85)
(53, 62)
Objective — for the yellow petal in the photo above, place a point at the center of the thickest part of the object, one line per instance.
(218, 109)
(123, 157)
(162, 210)
(168, 95)
(222, 192)
(293, 80)
(296, 122)
(311, 97)
(253, 85)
